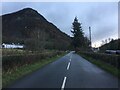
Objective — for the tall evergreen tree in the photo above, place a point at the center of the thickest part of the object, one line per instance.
(78, 35)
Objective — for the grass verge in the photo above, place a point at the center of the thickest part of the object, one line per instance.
(107, 67)
(8, 78)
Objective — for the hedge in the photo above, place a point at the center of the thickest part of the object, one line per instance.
(15, 61)
(113, 60)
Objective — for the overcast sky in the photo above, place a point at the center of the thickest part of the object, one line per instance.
(102, 17)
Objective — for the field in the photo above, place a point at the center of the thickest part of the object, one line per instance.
(9, 52)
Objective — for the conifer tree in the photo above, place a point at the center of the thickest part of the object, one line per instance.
(78, 35)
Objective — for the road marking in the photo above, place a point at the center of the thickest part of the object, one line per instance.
(71, 56)
(68, 66)
(63, 85)
(70, 59)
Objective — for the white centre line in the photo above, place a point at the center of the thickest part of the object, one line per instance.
(63, 85)
(68, 66)
(71, 56)
(70, 59)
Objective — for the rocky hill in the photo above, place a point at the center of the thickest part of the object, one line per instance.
(29, 27)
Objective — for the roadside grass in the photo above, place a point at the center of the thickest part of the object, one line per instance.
(107, 67)
(10, 77)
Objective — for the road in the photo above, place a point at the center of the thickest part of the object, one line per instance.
(70, 71)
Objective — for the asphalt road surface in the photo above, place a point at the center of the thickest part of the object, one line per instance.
(70, 71)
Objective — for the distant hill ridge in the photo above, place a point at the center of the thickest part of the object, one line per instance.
(112, 45)
(27, 24)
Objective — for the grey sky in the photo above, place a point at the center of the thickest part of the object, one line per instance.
(102, 17)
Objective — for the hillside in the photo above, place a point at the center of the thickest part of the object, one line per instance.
(29, 27)
(112, 45)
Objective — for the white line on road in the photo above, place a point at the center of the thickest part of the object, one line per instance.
(68, 66)
(70, 59)
(63, 85)
(71, 56)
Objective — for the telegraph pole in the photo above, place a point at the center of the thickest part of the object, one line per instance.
(90, 36)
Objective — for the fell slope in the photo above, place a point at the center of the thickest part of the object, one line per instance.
(27, 25)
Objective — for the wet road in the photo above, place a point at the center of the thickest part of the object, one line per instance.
(70, 71)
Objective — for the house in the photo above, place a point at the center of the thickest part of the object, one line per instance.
(12, 45)
(95, 49)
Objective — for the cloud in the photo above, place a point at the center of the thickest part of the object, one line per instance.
(102, 18)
